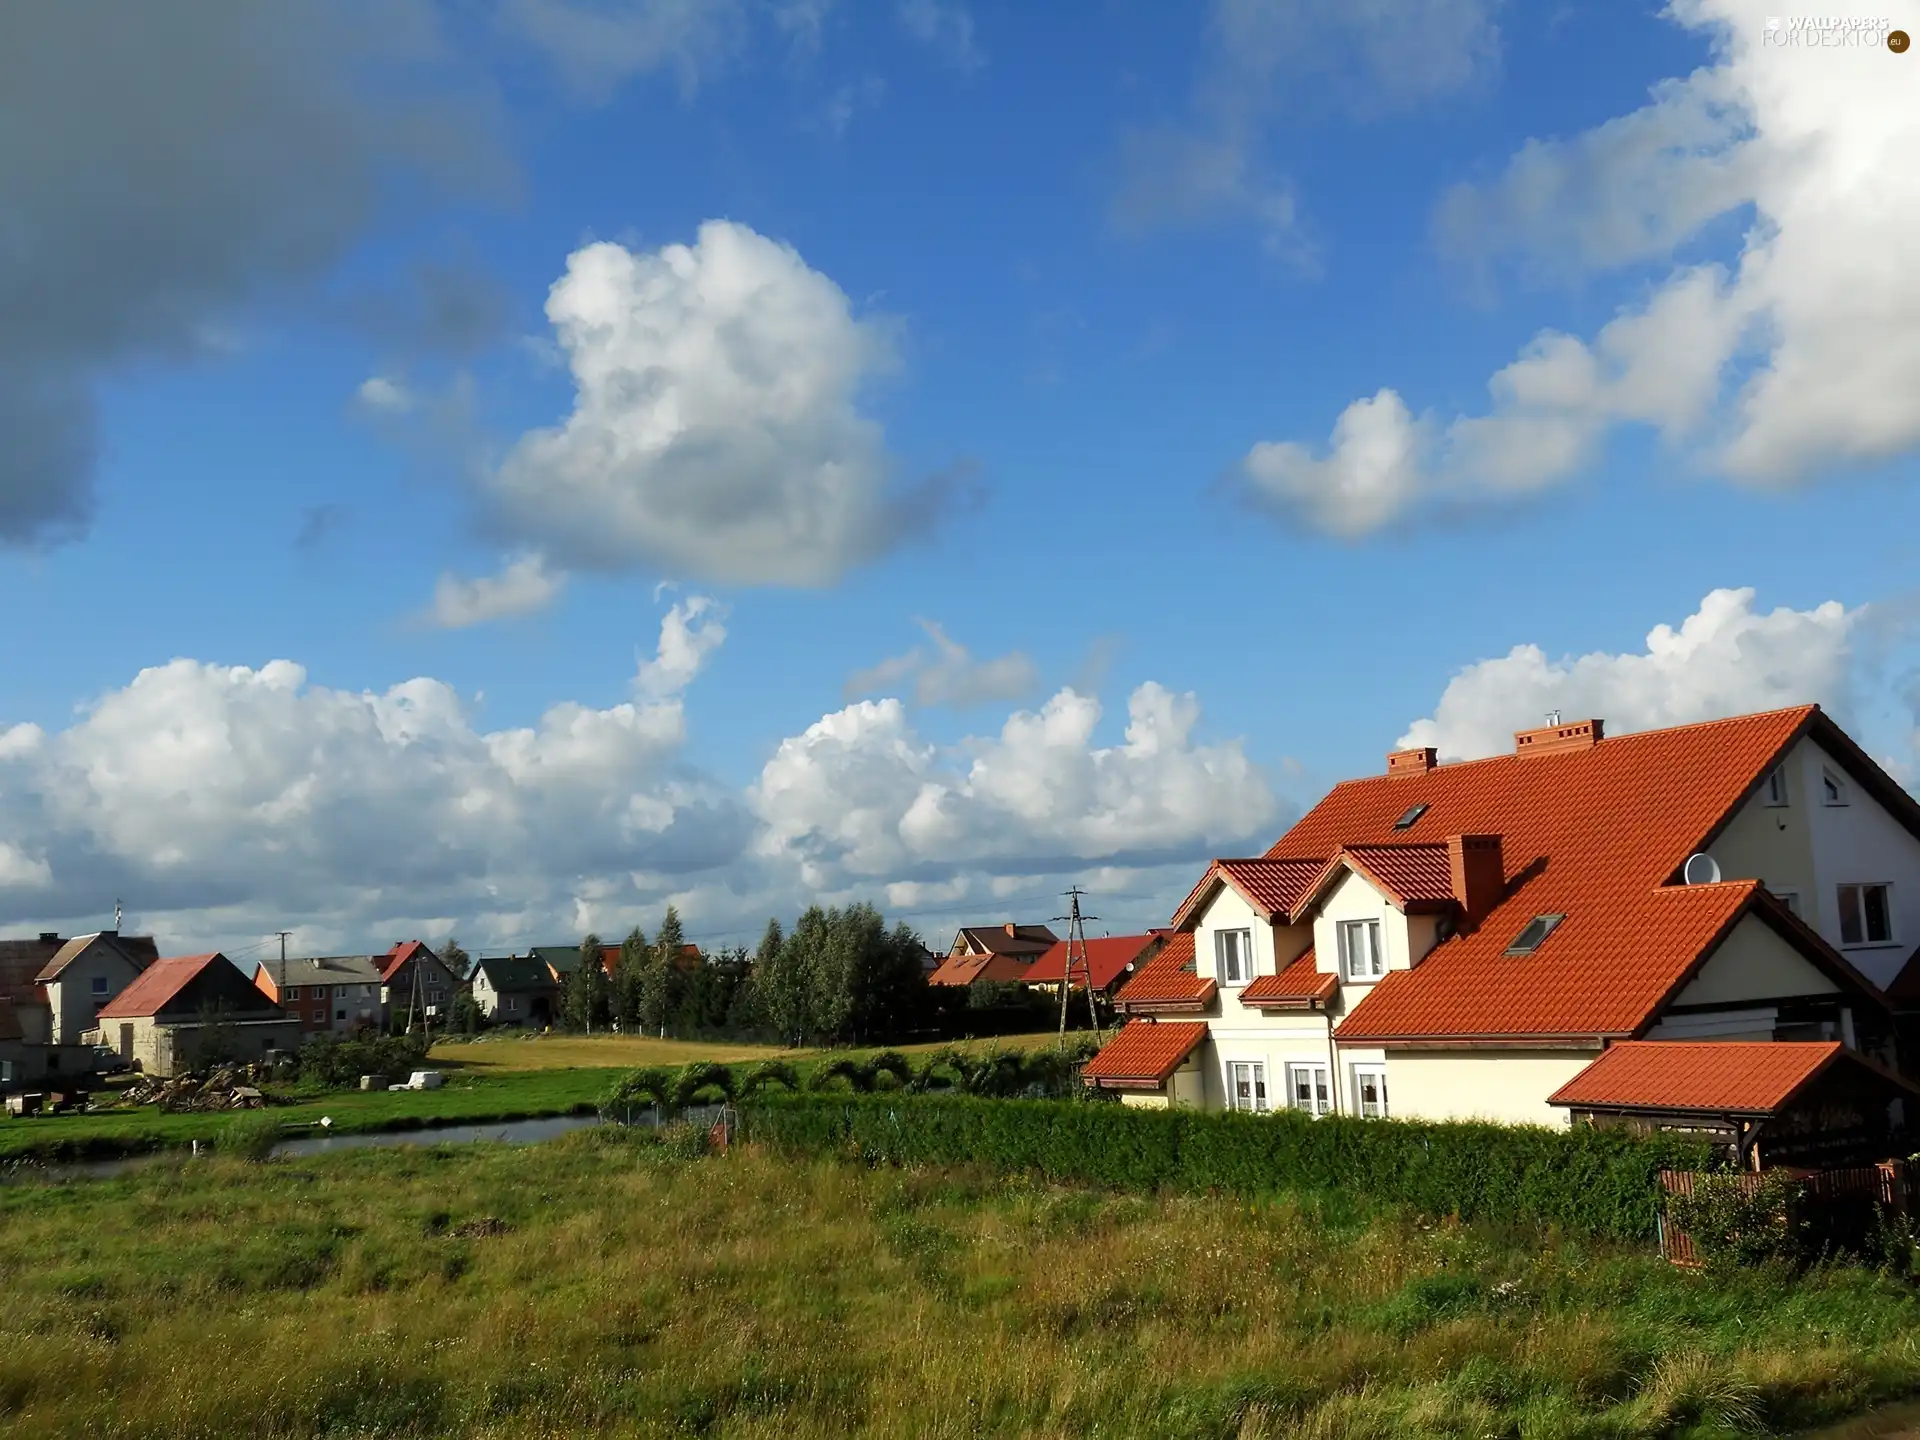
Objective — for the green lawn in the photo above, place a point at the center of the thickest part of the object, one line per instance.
(605, 1284)
(628, 1052)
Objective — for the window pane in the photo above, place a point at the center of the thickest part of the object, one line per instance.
(1879, 920)
(1373, 948)
(1850, 931)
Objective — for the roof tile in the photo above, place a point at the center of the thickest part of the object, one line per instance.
(1746, 1077)
(1168, 978)
(1107, 957)
(1145, 1052)
(157, 985)
(1297, 985)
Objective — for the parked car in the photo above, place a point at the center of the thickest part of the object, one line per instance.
(108, 1061)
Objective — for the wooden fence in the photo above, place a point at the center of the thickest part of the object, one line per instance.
(1841, 1206)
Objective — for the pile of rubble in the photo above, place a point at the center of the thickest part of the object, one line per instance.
(228, 1088)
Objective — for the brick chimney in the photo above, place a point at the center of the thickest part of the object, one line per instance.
(1412, 762)
(1479, 873)
(1558, 739)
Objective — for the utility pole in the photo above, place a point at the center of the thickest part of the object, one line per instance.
(1076, 929)
(283, 934)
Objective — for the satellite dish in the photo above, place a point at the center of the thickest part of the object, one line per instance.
(1701, 869)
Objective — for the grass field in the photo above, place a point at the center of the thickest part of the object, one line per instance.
(598, 1284)
(627, 1052)
(490, 1080)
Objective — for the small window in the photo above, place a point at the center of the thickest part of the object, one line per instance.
(1360, 957)
(339, 1014)
(99, 987)
(1833, 788)
(1406, 821)
(1307, 1089)
(1246, 1085)
(1866, 914)
(6, 1072)
(1234, 950)
(293, 992)
(1370, 1091)
(1789, 898)
(1777, 786)
(1535, 934)
(319, 1017)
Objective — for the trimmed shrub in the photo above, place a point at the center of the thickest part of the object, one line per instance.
(770, 1072)
(338, 1062)
(1735, 1219)
(1585, 1181)
(700, 1077)
(647, 1087)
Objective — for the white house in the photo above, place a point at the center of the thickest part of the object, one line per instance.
(1459, 941)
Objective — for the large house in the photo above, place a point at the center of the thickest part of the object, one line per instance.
(415, 984)
(179, 1007)
(1456, 941)
(328, 994)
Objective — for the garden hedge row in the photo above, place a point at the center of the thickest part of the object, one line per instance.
(1584, 1181)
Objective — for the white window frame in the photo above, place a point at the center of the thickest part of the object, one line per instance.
(1833, 790)
(1222, 951)
(1376, 959)
(1777, 787)
(1365, 1069)
(1860, 887)
(1319, 1081)
(293, 993)
(1788, 898)
(1259, 1102)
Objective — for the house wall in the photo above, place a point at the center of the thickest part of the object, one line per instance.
(25, 1066)
(1810, 848)
(164, 1048)
(72, 1003)
(1185, 1089)
(1754, 962)
(1273, 1041)
(1508, 1086)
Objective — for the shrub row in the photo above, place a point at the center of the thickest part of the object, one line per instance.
(1585, 1181)
(336, 1061)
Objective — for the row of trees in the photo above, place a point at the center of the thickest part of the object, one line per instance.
(840, 976)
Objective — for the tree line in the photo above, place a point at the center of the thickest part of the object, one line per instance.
(840, 976)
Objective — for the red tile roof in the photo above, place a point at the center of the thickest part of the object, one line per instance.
(1272, 884)
(157, 985)
(1168, 978)
(969, 969)
(399, 956)
(1026, 940)
(1597, 834)
(1412, 876)
(1144, 1052)
(1295, 987)
(1722, 1077)
(1107, 957)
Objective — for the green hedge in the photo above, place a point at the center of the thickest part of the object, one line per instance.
(1584, 1181)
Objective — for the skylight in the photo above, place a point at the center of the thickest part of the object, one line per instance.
(1535, 935)
(1405, 822)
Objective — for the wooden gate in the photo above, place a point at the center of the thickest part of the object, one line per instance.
(1841, 1206)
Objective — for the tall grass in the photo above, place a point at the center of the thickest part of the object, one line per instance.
(607, 1283)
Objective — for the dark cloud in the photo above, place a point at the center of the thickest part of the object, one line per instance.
(168, 165)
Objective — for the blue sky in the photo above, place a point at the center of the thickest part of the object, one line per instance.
(1084, 293)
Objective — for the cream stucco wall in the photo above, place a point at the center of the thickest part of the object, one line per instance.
(1810, 849)
(71, 996)
(1754, 962)
(1353, 898)
(1508, 1086)
(1274, 948)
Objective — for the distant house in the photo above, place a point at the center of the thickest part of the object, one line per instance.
(329, 994)
(562, 960)
(515, 990)
(413, 978)
(159, 1020)
(86, 973)
(1112, 959)
(49, 974)
(993, 954)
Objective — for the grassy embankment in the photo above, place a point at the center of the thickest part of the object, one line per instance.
(598, 1284)
(492, 1080)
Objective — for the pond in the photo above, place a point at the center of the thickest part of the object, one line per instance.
(509, 1132)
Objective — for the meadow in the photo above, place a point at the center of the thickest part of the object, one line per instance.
(611, 1283)
(510, 1078)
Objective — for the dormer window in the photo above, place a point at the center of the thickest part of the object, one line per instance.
(1406, 821)
(1233, 949)
(1832, 788)
(1777, 787)
(1535, 934)
(1360, 957)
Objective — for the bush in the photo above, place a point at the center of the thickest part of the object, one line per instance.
(1735, 1219)
(1585, 1181)
(338, 1062)
(249, 1137)
(770, 1072)
(648, 1087)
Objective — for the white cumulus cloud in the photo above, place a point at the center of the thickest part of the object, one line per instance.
(1792, 360)
(1727, 658)
(717, 430)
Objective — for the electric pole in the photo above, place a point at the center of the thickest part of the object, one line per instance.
(1076, 929)
(283, 934)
